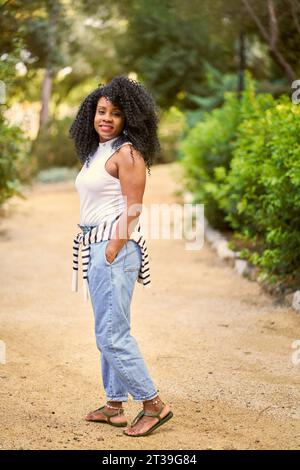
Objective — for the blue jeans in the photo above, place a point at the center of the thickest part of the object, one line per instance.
(111, 287)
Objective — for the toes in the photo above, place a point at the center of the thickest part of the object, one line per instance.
(93, 417)
(128, 431)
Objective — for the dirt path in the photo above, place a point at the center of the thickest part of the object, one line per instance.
(218, 349)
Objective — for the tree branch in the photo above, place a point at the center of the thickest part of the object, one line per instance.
(294, 15)
(256, 20)
(273, 25)
(5, 4)
(271, 37)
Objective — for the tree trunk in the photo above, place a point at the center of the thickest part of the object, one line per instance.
(46, 95)
(271, 36)
(241, 64)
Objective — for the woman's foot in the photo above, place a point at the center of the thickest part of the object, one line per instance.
(112, 414)
(145, 423)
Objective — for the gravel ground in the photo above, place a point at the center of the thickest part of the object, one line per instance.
(218, 348)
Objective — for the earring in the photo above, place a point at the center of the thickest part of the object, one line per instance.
(125, 131)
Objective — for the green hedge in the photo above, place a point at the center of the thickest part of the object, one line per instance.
(252, 185)
(207, 151)
(16, 165)
(53, 147)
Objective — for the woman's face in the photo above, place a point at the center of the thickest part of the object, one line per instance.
(109, 120)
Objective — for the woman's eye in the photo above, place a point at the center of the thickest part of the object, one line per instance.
(103, 112)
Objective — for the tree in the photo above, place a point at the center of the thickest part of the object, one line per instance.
(271, 30)
(167, 49)
(42, 26)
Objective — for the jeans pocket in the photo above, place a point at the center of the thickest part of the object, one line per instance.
(133, 258)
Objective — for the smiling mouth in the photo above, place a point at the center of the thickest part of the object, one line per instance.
(106, 127)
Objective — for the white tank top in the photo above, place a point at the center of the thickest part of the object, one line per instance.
(99, 192)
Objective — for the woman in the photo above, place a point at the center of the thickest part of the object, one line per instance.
(115, 135)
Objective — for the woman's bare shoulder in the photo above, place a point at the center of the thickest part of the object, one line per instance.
(129, 155)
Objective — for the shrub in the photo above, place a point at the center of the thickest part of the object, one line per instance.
(207, 151)
(263, 190)
(53, 147)
(243, 162)
(170, 130)
(16, 166)
(55, 174)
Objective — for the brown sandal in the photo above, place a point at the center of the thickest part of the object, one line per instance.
(155, 426)
(108, 420)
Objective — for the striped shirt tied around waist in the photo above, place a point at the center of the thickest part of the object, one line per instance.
(98, 233)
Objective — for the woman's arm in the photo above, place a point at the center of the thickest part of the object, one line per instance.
(132, 176)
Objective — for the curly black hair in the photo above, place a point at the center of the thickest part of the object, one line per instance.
(141, 119)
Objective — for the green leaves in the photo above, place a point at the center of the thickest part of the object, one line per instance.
(244, 162)
(14, 160)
